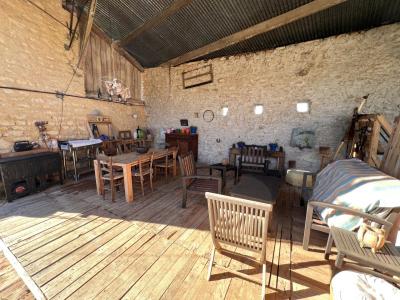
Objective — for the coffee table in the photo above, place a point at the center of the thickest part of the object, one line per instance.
(224, 169)
(259, 188)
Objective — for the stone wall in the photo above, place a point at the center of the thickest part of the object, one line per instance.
(32, 55)
(333, 73)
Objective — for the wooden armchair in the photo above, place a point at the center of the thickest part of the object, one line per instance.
(385, 263)
(193, 183)
(239, 223)
(314, 222)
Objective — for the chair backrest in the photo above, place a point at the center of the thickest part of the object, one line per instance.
(106, 167)
(173, 152)
(187, 164)
(253, 154)
(145, 162)
(238, 222)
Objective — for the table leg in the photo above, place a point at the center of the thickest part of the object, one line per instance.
(174, 166)
(128, 183)
(97, 174)
(74, 159)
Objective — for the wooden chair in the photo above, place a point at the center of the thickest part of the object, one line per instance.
(167, 163)
(239, 223)
(385, 263)
(193, 183)
(144, 168)
(110, 174)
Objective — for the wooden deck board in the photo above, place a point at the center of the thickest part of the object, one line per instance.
(75, 245)
(11, 286)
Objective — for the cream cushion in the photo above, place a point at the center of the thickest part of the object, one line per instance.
(295, 177)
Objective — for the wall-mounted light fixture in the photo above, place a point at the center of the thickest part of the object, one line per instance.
(303, 107)
(258, 109)
(224, 111)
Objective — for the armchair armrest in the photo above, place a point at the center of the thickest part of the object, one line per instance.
(351, 211)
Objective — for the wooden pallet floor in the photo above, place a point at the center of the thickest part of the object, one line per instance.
(74, 245)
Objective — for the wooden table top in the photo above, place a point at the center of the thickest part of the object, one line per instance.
(133, 157)
(258, 188)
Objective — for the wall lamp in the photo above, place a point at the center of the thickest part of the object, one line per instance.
(258, 109)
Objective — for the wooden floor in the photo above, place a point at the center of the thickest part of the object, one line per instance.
(74, 245)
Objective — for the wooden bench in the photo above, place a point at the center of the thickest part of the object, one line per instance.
(253, 158)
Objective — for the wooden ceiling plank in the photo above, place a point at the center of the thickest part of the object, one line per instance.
(128, 56)
(268, 25)
(117, 47)
(155, 21)
(115, 44)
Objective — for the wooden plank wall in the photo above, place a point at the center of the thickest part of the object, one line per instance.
(103, 62)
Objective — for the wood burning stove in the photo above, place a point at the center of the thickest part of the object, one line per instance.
(29, 173)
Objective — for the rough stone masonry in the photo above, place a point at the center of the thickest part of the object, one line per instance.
(33, 56)
(333, 74)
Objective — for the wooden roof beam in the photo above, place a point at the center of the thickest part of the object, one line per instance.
(155, 21)
(89, 23)
(268, 25)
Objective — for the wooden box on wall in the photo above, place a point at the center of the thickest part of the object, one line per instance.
(185, 142)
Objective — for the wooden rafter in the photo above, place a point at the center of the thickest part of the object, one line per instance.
(89, 25)
(268, 25)
(156, 20)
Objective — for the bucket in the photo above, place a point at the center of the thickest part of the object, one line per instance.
(193, 129)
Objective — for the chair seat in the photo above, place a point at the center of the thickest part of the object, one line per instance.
(136, 172)
(169, 164)
(294, 177)
(203, 185)
(117, 176)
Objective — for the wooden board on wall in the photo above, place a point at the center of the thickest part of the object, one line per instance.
(102, 61)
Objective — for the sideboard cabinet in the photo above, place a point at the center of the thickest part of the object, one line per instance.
(185, 142)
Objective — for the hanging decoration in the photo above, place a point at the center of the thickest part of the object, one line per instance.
(116, 88)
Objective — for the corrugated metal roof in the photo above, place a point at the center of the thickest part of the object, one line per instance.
(205, 21)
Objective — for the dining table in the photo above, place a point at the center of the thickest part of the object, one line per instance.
(127, 161)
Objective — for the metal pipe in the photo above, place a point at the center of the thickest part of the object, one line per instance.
(61, 95)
